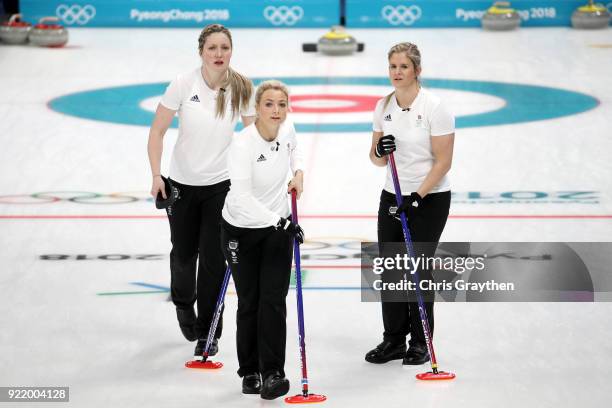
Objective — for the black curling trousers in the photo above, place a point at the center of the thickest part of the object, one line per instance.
(195, 232)
(260, 259)
(401, 319)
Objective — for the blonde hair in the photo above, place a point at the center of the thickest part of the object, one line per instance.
(241, 86)
(414, 55)
(270, 84)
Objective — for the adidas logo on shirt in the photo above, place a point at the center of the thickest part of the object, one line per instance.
(261, 158)
(388, 118)
(195, 98)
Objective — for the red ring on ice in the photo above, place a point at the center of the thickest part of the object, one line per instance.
(360, 103)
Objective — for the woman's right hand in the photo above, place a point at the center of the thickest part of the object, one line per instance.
(385, 146)
(157, 186)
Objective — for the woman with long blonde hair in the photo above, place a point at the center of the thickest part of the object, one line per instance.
(209, 101)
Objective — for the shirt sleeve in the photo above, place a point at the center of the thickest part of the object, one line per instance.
(242, 200)
(377, 117)
(250, 109)
(172, 98)
(442, 121)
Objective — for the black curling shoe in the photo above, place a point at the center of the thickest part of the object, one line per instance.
(199, 348)
(274, 386)
(251, 384)
(186, 319)
(416, 355)
(386, 351)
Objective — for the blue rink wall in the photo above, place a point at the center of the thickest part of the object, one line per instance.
(293, 13)
(454, 13)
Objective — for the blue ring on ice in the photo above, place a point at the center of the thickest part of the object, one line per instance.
(523, 103)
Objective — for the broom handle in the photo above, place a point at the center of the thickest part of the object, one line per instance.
(217, 316)
(415, 275)
(300, 304)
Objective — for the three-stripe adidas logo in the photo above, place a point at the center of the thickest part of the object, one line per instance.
(261, 158)
(195, 98)
(388, 118)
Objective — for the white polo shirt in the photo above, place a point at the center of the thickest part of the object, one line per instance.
(200, 153)
(259, 171)
(428, 117)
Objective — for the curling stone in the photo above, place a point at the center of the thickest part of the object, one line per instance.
(15, 31)
(500, 17)
(336, 42)
(49, 33)
(591, 16)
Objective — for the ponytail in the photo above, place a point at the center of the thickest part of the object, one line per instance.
(242, 89)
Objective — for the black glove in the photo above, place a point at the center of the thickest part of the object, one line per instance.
(410, 206)
(385, 146)
(291, 228)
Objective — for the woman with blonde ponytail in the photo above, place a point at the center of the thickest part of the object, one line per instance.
(209, 101)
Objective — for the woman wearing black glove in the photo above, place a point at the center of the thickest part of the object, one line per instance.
(257, 236)
(413, 123)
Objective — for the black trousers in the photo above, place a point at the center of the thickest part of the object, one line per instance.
(195, 232)
(403, 319)
(260, 259)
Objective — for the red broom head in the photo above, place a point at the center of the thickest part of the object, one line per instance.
(310, 399)
(440, 375)
(203, 365)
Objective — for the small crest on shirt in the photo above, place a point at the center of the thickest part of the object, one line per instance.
(261, 158)
(388, 118)
(195, 98)
(419, 121)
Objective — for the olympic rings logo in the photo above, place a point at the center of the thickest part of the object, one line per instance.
(283, 15)
(75, 13)
(401, 14)
(78, 197)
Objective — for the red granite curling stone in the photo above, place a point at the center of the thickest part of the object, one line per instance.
(15, 31)
(49, 33)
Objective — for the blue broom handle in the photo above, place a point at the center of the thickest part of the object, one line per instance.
(218, 310)
(415, 275)
(300, 304)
